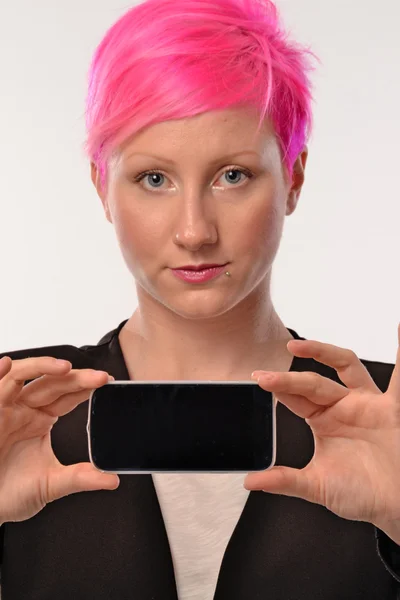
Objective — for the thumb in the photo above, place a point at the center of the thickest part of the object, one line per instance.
(81, 477)
(286, 481)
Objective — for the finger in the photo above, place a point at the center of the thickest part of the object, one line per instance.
(298, 483)
(346, 363)
(68, 402)
(394, 384)
(29, 368)
(299, 405)
(48, 388)
(5, 366)
(316, 391)
(81, 477)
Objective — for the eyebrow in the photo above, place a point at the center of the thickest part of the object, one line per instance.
(212, 162)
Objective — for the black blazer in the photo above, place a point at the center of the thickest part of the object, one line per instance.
(107, 545)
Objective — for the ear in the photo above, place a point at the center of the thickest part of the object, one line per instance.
(297, 181)
(95, 176)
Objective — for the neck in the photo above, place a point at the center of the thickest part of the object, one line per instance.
(160, 344)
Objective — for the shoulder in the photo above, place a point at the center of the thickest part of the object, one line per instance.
(90, 356)
(380, 372)
(81, 358)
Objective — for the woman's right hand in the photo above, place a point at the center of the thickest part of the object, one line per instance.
(30, 474)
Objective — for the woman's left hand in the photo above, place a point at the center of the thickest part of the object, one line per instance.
(355, 470)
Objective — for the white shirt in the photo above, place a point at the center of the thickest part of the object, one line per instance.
(200, 512)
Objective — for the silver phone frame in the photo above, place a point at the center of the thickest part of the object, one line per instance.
(184, 382)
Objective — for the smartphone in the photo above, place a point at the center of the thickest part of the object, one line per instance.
(181, 426)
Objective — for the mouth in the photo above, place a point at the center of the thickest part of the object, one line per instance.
(201, 267)
(195, 274)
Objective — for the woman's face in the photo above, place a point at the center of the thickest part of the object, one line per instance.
(201, 206)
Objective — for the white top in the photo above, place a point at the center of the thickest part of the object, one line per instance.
(200, 512)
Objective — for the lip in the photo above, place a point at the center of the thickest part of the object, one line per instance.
(199, 267)
(199, 275)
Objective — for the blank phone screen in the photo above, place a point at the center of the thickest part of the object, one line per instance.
(159, 427)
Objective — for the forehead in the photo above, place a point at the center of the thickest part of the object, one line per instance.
(204, 136)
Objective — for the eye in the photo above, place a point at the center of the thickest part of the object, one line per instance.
(155, 176)
(231, 171)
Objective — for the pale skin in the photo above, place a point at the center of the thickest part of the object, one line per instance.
(191, 212)
(232, 320)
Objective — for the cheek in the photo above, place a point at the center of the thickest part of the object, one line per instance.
(259, 231)
(138, 232)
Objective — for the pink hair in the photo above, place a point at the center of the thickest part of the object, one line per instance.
(171, 59)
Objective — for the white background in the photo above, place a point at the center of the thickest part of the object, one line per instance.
(336, 277)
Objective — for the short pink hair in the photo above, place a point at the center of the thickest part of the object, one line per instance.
(172, 59)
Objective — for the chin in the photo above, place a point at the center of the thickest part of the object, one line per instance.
(199, 304)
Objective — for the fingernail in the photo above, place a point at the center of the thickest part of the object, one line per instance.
(62, 363)
(256, 374)
(111, 378)
(265, 375)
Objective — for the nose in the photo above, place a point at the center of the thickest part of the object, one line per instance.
(196, 226)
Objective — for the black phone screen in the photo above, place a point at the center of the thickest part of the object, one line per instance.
(181, 426)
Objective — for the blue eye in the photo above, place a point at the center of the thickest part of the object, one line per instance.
(154, 176)
(233, 171)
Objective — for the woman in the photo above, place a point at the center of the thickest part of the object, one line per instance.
(198, 115)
